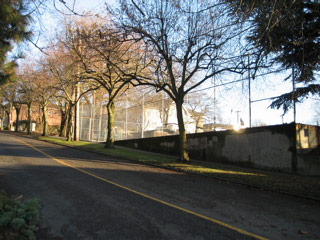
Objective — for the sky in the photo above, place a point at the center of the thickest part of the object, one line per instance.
(235, 101)
(231, 99)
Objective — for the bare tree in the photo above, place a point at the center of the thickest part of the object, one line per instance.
(12, 95)
(186, 40)
(28, 90)
(101, 53)
(161, 102)
(45, 91)
(5, 105)
(62, 105)
(201, 108)
(64, 68)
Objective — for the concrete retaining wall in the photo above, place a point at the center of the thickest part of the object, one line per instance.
(272, 147)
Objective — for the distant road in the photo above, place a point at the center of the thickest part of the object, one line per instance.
(90, 196)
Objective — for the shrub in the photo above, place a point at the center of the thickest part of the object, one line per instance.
(18, 219)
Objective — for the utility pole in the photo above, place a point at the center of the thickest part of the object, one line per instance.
(249, 86)
(162, 113)
(214, 104)
(294, 163)
(238, 118)
(294, 96)
(91, 119)
(126, 126)
(142, 122)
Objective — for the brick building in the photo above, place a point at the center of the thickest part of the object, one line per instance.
(54, 116)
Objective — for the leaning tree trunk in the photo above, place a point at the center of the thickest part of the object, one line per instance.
(110, 136)
(17, 118)
(69, 132)
(45, 120)
(29, 126)
(184, 156)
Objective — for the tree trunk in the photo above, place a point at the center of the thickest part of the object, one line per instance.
(110, 136)
(17, 118)
(197, 122)
(45, 120)
(29, 127)
(1, 121)
(184, 156)
(8, 120)
(70, 122)
(63, 123)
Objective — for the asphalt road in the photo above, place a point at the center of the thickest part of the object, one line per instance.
(90, 196)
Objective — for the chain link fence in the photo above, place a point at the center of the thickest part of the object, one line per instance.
(138, 114)
(142, 112)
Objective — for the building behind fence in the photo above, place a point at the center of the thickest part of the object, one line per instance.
(142, 117)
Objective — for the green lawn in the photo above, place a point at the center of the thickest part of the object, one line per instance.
(294, 184)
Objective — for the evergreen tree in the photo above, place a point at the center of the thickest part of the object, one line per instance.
(288, 31)
(14, 20)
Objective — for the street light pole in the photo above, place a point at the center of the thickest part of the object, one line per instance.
(249, 86)
(126, 127)
(214, 104)
(294, 96)
(142, 122)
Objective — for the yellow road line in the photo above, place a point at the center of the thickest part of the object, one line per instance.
(146, 196)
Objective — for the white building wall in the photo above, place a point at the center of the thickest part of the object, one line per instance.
(190, 124)
(152, 119)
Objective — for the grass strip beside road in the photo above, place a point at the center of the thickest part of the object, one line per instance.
(288, 183)
(116, 152)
